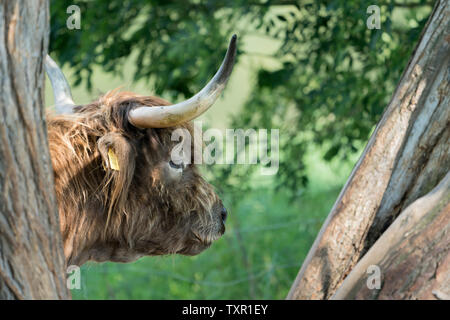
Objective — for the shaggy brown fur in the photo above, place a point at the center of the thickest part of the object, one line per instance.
(145, 208)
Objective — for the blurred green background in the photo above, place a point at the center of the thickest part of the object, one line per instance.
(311, 69)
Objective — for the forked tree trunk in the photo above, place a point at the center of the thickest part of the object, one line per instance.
(412, 254)
(406, 157)
(31, 255)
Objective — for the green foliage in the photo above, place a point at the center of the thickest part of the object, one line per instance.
(335, 76)
(172, 39)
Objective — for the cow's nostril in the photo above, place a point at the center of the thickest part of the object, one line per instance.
(224, 214)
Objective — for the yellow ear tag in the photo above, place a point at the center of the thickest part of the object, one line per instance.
(113, 162)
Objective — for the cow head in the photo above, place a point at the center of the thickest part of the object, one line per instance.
(120, 191)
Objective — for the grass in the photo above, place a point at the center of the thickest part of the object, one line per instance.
(259, 256)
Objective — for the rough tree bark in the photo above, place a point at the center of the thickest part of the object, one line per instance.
(31, 255)
(405, 158)
(412, 254)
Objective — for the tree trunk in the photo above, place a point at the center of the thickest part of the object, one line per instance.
(412, 254)
(405, 158)
(31, 256)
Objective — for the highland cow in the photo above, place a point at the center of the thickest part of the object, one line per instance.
(120, 194)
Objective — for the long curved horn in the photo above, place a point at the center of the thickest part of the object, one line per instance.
(169, 116)
(61, 89)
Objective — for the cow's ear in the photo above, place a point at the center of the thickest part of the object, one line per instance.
(119, 160)
(117, 152)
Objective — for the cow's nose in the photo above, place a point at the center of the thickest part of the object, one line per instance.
(224, 214)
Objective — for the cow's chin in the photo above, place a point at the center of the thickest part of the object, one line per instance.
(195, 249)
(200, 243)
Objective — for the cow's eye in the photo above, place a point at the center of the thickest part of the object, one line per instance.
(176, 166)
